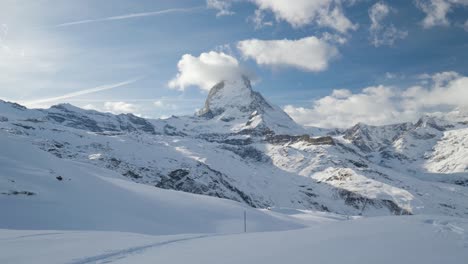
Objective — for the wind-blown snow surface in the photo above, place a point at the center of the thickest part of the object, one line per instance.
(386, 240)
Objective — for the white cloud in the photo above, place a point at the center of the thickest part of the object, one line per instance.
(437, 10)
(207, 70)
(258, 19)
(120, 107)
(440, 78)
(163, 104)
(299, 13)
(381, 34)
(343, 108)
(310, 53)
(114, 107)
(324, 13)
(465, 26)
(379, 105)
(223, 7)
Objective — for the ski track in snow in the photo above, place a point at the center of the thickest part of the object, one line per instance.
(120, 254)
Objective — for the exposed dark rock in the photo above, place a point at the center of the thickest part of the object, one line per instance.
(461, 182)
(226, 139)
(24, 126)
(447, 205)
(34, 120)
(172, 131)
(227, 119)
(247, 152)
(359, 164)
(309, 194)
(360, 202)
(27, 193)
(132, 174)
(214, 183)
(114, 162)
(287, 139)
(388, 154)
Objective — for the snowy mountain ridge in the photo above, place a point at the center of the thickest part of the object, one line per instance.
(243, 148)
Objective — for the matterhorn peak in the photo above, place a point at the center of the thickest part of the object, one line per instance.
(234, 101)
(233, 97)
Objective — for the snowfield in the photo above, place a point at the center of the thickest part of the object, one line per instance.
(400, 239)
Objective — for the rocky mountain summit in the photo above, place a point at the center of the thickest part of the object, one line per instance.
(243, 148)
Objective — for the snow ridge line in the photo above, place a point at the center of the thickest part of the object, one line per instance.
(120, 254)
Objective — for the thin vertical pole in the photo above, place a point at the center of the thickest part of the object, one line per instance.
(245, 221)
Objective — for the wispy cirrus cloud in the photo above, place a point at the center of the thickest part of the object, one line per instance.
(132, 15)
(47, 101)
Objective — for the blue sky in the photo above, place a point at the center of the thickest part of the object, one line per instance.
(122, 54)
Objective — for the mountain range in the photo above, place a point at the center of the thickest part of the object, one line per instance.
(241, 147)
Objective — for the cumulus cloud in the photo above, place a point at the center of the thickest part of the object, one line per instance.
(223, 7)
(380, 105)
(381, 34)
(437, 10)
(324, 13)
(309, 54)
(207, 70)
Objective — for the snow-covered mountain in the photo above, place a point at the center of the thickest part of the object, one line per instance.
(243, 148)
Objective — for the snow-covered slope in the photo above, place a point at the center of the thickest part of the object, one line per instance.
(39, 191)
(386, 240)
(242, 148)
